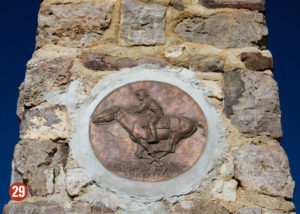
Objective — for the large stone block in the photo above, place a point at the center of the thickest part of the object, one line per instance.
(225, 30)
(43, 75)
(50, 123)
(264, 169)
(142, 24)
(247, 4)
(73, 25)
(38, 163)
(252, 103)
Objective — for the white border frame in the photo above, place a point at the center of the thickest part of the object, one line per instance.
(182, 184)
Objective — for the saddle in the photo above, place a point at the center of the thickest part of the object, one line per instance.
(163, 123)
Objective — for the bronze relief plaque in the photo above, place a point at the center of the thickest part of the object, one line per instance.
(148, 131)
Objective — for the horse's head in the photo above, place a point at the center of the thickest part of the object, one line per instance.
(105, 116)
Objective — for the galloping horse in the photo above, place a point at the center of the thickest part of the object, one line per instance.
(177, 128)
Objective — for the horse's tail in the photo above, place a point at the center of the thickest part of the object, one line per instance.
(201, 124)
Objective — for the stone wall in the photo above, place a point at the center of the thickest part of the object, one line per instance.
(223, 43)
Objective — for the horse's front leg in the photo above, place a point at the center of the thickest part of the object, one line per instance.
(146, 145)
(139, 151)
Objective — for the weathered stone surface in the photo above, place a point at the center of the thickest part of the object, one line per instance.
(73, 25)
(76, 179)
(247, 4)
(206, 64)
(102, 62)
(225, 190)
(38, 207)
(142, 24)
(225, 30)
(252, 103)
(50, 123)
(256, 61)
(177, 4)
(43, 75)
(38, 163)
(199, 206)
(253, 199)
(257, 210)
(264, 169)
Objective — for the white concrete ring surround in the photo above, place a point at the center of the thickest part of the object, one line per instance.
(184, 183)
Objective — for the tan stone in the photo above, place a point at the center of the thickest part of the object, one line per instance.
(225, 190)
(248, 199)
(55, 51)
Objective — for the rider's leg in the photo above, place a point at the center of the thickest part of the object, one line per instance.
(153, 131)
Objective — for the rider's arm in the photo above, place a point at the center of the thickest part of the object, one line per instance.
(143, 106)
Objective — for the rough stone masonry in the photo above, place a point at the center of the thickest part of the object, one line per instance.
(222, 43)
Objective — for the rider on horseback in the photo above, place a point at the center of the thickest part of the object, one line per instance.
(149, 104)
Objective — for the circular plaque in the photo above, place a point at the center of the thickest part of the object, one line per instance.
(148, 131)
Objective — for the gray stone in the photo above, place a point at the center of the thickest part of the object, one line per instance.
(206, 64)
(102, 62)
(38, 163)
(225, 30)
(142, 24)
(38, 207)
(45, 123)
(247, 4)
(264, 169)
(43, 75)
(252, 103)
(256, 61)
(73, 25)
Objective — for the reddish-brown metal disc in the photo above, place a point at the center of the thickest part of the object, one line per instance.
(119, 132)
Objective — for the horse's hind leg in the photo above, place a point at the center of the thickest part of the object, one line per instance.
(161, 154)
(139, 151)
(175, 138)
